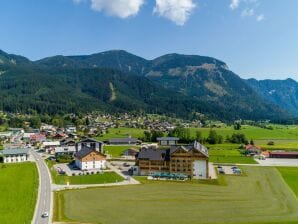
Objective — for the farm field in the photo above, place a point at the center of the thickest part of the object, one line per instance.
(116, 151)
(106, 177)
(255, 133)
(17, 200)
(122, 133)
(290, 175)
(259, 197)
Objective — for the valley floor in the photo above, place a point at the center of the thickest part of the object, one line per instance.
(260, 196)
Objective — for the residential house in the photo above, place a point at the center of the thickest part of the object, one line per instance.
(167, 141)
(253, 149)
(50, 147)
(123, 141)
(130, 153)
(90, 143)
(67, 147)
(15, 155)
(37, 138)
(89, 159)
(191, 160)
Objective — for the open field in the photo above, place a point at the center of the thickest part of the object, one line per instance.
(18, 192)
(122, 133)
(104, 178)
(116, 151)
(256, 133)
(290, 175)
(228, 154)
(261, 196)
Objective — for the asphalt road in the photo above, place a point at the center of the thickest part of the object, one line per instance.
(44, 199)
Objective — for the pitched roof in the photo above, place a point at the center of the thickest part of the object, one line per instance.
(154, 154)
(89, 140)
(86, 151)
(14, 151)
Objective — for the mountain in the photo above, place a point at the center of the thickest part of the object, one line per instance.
(283, 93)
(117, 81)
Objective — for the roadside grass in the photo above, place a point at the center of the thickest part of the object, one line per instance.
(290, 175)
(116, 151)
(259, 197)
(122, 133)
(104, 178)
(18, 192)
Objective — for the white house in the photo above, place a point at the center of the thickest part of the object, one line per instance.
(89, 159)
(15, 155)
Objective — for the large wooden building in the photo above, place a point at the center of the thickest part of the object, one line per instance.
(191, 160)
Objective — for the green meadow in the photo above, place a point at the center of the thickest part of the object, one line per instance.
(122, 133)
(259, 197)
(18, 192)
(290, 175)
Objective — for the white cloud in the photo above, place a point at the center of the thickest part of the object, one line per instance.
(119, 8)
(260, 18)
(234, 4)
(247, 12)
(177, 11)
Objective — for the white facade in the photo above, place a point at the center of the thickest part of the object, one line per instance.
(90, 165)
(15, 158)
(200, 169)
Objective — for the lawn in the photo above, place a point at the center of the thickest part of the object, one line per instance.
(116, 151)
(261, 196)
(122, 133)
(228, 153)
(290, 175)
(18, 192)
(106, 177)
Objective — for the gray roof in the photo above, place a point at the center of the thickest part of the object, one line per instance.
(154, 154)
(168, 139)
(164, 154)
(83, 152)
(14, 151)
(89, 140)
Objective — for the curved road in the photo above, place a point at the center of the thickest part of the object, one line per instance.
(44, 193)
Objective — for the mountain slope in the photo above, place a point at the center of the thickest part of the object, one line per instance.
(117, 81)
(202, 79)
(283, 93)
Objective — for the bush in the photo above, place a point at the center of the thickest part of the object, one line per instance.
(270, 143)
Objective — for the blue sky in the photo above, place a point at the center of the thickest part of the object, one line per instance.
(256, 38)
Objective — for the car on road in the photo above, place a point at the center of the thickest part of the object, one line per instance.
(45, 215)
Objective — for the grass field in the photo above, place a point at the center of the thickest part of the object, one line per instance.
(290, 175)
(122, 133)
(116, 151)
(259, 197)
(256, 133)
(18, 192)
(106, 177)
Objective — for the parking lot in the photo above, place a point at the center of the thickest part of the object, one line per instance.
(229, 170)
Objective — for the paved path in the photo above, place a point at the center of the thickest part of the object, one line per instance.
(44, 201)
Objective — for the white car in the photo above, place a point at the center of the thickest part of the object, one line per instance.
(45, 215)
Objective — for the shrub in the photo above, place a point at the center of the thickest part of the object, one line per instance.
(270, 143)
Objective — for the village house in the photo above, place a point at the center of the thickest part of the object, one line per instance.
(67, 147)
(90, 143)
(123, 141)
(167, 141)
(253, 149)
(15, 155)
(37, 138)
(191, 160)
(89, 159)
(50, 147)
